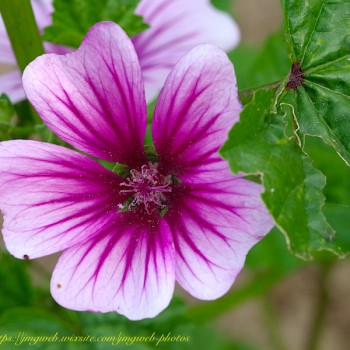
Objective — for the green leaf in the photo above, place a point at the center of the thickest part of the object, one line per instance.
(339, 218)
(73, 18)
(317, 36)
(24, 114)
(5, 131)
(7, 112)
(16, 289)
(317, 31)
(20, 323)
(47, 135)
(337, 190)
(293, 188)
(224, 5)
(7, 109)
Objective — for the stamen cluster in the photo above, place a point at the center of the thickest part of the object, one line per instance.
(147, 187)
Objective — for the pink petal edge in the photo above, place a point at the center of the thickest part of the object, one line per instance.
(50, 198)
(195, 111)
(214, 225)
(93, 98)
(176, 27)
(128, 268)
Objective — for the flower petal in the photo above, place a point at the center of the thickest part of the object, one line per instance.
(176, 27)
(127, 268)
(11, 85)
(214, 225)
(93, 98)
(195, 110)
(6, 55)
(51, 197)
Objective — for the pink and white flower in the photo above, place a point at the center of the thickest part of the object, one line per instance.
(125, 241)
(176, 26)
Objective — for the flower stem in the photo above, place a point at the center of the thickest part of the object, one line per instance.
(22, 30)
(246, 95)
(23, 33)
(272, 323)
(321, 308)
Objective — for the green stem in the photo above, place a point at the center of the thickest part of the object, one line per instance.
(205, 312)
(313, 342)
(246, 95)
(23, 33)
(22, 30)
(272, 324)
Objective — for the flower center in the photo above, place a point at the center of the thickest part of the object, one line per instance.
(146, 187)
